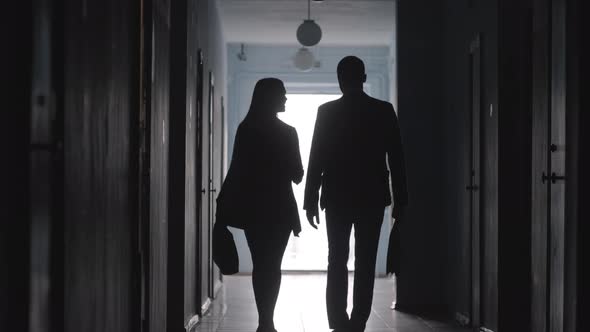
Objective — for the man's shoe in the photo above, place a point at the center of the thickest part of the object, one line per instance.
(342, 329)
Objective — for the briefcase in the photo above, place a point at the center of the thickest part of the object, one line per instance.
(394, 250)
(225, 254)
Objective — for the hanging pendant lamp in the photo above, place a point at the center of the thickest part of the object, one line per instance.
(309, 32)
(304, 59)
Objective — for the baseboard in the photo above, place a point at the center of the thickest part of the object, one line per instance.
(462, 319)
(422, 310)
(192, 323)
(205, 307)
(217, 287)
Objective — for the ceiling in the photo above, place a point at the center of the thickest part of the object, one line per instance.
(343, 22)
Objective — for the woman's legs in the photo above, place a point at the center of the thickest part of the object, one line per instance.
(267, 248)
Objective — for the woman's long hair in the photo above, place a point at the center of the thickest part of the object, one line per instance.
(264, 99)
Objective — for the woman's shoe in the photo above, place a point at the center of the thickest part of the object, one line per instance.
(266, 329)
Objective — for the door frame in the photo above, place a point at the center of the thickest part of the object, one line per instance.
(474, 176)
(144, 155)
(45, 222)
(573, 127)
(199, 179)
(211, 185)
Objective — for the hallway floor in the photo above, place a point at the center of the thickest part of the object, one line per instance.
(301, 308)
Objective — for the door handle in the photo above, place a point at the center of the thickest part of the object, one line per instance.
(473, 187)
(553, 177)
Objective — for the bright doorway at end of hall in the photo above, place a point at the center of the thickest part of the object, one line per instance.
(309, 251)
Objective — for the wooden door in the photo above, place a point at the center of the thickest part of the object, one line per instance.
(100, 99)
(540, 162)
(549, 165)
(556, 174)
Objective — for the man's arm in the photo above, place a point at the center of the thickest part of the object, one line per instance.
(314, 173)
(396, 160)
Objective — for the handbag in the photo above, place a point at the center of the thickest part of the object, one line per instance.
(231, 201)
(225, 254)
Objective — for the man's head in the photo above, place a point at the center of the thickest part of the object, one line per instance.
(351, 74)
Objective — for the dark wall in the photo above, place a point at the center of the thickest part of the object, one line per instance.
(504, 239)
(192, 28)
(577, 294)
(183, 302)
(179, 232)
(211, 41)
(110, 84)
(574, 196)
(514, 170)
(458, 30)
(420, 100)
(100, 99)
(464, 23)
(434, 62)
(487, 24)
(177, 165)
(159, 147)
(583, 271)
(17, 21)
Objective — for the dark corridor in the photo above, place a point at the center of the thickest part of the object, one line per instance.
(115, 135)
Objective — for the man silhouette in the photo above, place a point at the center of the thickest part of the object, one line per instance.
(354, 139)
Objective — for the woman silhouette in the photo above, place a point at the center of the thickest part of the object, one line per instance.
(265, 161)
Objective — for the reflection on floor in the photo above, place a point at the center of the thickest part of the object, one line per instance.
(301, 308)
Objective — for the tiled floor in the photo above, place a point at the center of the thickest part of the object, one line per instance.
(301, 308)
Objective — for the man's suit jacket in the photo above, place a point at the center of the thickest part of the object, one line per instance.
(354, 139)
